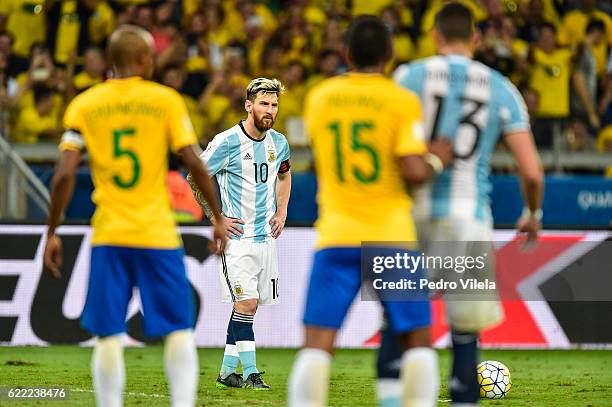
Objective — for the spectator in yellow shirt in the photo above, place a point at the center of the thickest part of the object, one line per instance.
(38, 121)
(292, 76)
(332, 36)
(574, 30)
(575, 22)
(533, 15)
(94, 72)
(550, 78)
(25, 20)
(234, 113)
(175, 77)
(329, 63)
(403, 47)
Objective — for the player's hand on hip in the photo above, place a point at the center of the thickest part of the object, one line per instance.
(219, 242)
(53, 256)
(278, 223)
(234, 227)
(443, 148)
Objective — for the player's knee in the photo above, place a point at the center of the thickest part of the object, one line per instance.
(183, 336)
(109, 353)
(420, 337)
(320, 338)
(248, 307)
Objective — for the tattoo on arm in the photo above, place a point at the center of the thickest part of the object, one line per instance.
(199, 197)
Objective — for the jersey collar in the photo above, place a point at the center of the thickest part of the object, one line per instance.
(247, 134)
(126, 80)
(357, 74)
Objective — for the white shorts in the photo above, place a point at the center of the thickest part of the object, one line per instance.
(249, 270)
(465, 315)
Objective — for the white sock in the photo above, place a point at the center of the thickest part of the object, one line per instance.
(108, 371)
(389, 392)
(181, 361)
(420, 377)
(309, 380)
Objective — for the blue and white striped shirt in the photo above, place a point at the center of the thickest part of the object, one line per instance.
(473, 105)
(246, 171)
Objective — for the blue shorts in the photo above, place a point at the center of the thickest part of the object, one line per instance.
(160, 276)
(335, 280)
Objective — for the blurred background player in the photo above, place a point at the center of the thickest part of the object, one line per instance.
(128, 126)
(251, 164)
(366, 134)
(474, 105)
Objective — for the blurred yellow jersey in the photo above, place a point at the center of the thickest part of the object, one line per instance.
(359, 125)
(128, 127)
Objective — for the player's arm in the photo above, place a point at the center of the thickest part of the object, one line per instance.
(201, 179)
(201, 183)
(283, 191)
(62, 186)
(183, 142)
(420, 168)
(418, 161)
(215, 159)
(234, 225)
(520, 142)
(523, 148)
(200, 198)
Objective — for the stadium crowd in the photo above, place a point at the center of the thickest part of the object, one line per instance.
(557, 52)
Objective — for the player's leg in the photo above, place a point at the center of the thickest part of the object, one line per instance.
(167, 302)
(108, 295)
(243, 317)
(309, 379)
(108, 371)
(388, 363)
(242, 267)
(463, 384)
(409, 322)
(181, 364)
(468, 318)
(228, 377)
(334, 282)
(262, 289)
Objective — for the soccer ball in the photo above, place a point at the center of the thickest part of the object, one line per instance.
(494, 379)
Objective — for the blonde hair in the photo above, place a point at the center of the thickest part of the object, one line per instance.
(264, 85)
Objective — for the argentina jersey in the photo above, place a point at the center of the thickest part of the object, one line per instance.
(246, 171)
(472, 105)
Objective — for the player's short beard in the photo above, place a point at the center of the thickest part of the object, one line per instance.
(262, 125)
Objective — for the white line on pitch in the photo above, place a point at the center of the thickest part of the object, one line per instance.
(127, 393)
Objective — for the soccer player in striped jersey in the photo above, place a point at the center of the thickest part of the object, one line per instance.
(128, 125)
(251, 164)
(472, 104)
(366, 136)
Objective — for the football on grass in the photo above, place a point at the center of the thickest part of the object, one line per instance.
(494, 379)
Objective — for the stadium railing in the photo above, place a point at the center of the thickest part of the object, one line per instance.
(18, 182)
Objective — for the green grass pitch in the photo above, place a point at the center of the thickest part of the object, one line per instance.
(540, 378)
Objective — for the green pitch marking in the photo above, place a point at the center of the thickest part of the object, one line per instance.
(540, 378)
